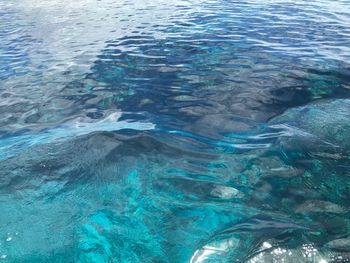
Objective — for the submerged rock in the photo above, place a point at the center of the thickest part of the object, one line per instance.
(341, 244)
(246, 240)
(319, 206)
(326, 121)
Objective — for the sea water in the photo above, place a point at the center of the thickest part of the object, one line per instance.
(174, 131)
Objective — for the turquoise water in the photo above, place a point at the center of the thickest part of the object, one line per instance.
(183, 131)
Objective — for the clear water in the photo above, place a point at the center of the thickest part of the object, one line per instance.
(174, 131)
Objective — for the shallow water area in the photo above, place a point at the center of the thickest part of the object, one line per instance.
(184, 131)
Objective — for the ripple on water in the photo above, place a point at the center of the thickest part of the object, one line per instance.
(183, 131)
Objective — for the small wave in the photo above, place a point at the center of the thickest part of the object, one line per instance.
(75, 127)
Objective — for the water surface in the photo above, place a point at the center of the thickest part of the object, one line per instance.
(183, 131)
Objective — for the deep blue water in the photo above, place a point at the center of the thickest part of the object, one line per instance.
(174, 131)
